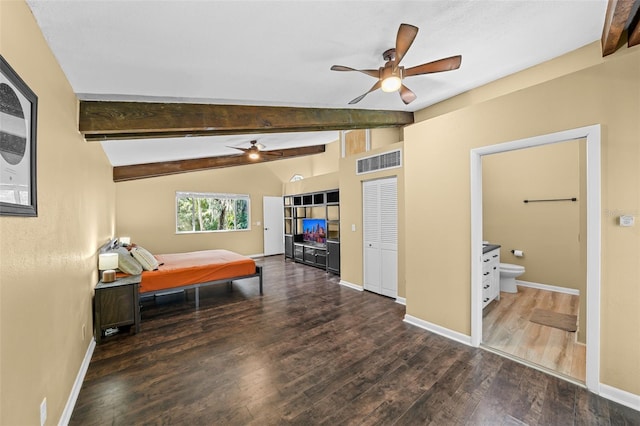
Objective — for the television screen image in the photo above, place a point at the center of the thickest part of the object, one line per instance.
(314, 230)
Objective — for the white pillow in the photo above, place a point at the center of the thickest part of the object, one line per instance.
(127, 263)
(146, 259)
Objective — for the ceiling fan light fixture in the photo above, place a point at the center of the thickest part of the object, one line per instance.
(391, 84)
(254, 155)
(391, 77)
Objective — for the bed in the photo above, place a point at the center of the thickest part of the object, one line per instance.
(191, 270)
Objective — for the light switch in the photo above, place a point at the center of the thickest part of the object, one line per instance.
(353, 227)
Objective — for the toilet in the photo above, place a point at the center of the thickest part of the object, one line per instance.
(508, 275)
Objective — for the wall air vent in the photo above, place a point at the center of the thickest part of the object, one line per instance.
(388, 160)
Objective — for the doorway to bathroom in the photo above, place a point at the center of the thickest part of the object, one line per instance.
(561, 265)
(532, 207)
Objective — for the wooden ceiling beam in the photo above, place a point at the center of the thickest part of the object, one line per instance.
(142, 171)
(100, 120)
(634, 28)
(619, 14)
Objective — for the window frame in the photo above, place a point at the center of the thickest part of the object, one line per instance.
(212, 195)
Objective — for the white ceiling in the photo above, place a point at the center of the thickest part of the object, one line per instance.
(280, 52)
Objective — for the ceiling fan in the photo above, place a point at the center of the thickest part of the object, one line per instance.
(256, 150)
(391, 74)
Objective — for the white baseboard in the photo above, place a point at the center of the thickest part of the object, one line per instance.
(548, 287)
(77, 385)
(351, 286)
(625, 398)
(450, 334)
(401, 300)
(253, 256)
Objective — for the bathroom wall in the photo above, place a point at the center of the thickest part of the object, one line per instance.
(550, 233)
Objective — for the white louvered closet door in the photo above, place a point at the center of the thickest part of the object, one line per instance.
(380, 233)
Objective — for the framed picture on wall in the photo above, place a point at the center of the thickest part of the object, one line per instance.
(18, 126)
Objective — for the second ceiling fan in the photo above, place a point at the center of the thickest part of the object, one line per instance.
(390, 75)
(255, 151)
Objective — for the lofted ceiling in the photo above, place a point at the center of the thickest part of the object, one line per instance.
(279, 53)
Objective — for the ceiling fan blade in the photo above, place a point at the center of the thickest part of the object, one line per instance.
(446, 64)
(406, 34)
(372, 73)
(272, 153)
(241, 149)
(407, 95)
(361, 97)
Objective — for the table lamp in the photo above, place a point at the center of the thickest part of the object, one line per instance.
(107, 263)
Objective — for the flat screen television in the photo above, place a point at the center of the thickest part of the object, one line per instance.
(314, 231)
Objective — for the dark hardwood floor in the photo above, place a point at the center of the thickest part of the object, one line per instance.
(310, 351)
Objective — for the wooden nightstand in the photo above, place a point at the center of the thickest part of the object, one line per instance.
(116, 305)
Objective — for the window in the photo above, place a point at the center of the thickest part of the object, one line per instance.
(205, 212)
(296, 178)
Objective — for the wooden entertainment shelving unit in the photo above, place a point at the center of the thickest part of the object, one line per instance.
(315, 205)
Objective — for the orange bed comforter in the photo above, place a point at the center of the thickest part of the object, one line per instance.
(182, 269)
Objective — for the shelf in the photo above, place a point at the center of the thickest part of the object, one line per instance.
(333, 197)
(314, 205)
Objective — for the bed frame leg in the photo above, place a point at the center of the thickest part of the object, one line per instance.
(197, 297)
(259, 268)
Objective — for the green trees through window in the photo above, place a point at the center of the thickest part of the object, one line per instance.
(204, 212)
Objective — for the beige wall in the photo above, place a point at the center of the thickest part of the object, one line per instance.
(548, 232)
(351, 249)
(146, 208)
(325, 163)
(48, 263)
(311, 184)
(438, 191)
(385, 136)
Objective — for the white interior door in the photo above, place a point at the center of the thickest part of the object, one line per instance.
(380, 234)
(371, 236)
(273, 222)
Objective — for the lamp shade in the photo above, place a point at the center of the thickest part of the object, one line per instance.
(107, 261)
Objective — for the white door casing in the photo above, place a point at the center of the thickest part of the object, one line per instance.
(592, 134)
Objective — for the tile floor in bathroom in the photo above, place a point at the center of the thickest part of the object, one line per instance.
(506, 327)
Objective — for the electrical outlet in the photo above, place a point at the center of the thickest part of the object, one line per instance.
(43, 411)
(84, 332)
